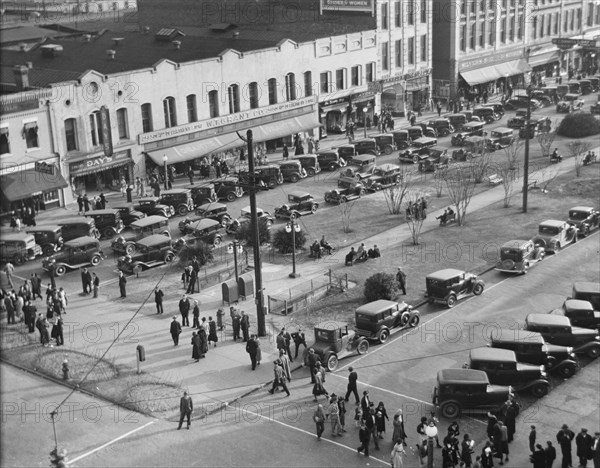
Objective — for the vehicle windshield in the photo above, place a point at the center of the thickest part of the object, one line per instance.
(365, 317)
(579, 215)
(549, 230)
(499, 134)
(323, 335)
(509, 253)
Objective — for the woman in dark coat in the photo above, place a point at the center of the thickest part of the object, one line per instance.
(203, 342)
(466, 451)
(398, 435)
(212, 331)
(195, 347)
(380, 417)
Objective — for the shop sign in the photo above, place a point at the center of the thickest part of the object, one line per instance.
(106, 132)
(348, 5)
(406, 76)
(566, 43)
(44, 168)
(9, 106)
(490, 59)
(98, 163)
(225, 120)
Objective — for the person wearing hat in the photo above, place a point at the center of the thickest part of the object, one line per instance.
(279, 378)
(584, 442)
(538, 457)
(564, 437)
(532, 438)
(175, 331)
(596, 450)
(550, 452)
(365, 403)
(312, 360)
(319, 419)
(401, 278)
(352, 387)
(364, 435)
(333, 413)
(186, 406)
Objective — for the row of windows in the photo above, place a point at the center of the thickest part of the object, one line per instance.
(411, 56)
(546, 25)
(29, 133)
(411, 13)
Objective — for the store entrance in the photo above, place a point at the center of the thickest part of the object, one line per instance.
(101, 181)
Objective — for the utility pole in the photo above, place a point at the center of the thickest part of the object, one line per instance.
(259, 298)
(526, 158)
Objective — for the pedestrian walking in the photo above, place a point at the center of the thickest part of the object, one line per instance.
(186, 407)
(538, 457)
(245, 325)
(584, 442)
(439, 108)
(487, 457)
(510, 417)
(80, 204)
(333, 414)
(352, 385)
(466, 451)
(86, 203)
(195, 347)
(175, 331)
(287, 339)
(252, 350)
(364, 436)
(318, 388)
(342, 407)
(63, 300)
(564, 438)
(595, 450)
(203, 341)
(532, 439)
(401, 278)
(196, 315)
(122, 284)
(57, 331)
(319, 419)
(184, 310)
(502, 442)
(286, 152)
(550, 453)
(371, 423)
(190, 174)
(212, 332)
(235, 322)
(95, 284)
(279, 378)
(9, 269)
(365, 403)
(36, 286)
(399, 434)
(299, 340)
(380, 418)
(84, 281)
(313, 360)
(158, 300)
(285, 364)
(397, 455)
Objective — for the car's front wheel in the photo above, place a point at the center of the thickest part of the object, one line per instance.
(539, 390)
(383, 335)
(451, 301)
(388, 150)
(594, 352)
(48, 250)
(19, 259)
(450, 410)
(230, 197)
(61, 270)
(182, 210)
(478, 289)
(96, 259)
(314, 208)
(363, 347)
(169, 257)
(567, 371)
(108, 233)
(130, 249)
(414, 321)
(332, 362)
(137, 269)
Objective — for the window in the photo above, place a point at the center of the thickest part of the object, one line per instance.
(520, 27)
(71, 134)
(411, 12)
(290, 87)
(482, 34)
(233, 97)
(192, 111)
(492, 37)
(30, 131)
(324, 81)
(556, 23)
(147, 118)
(4, 141)
(340, 78)
(579, 18)
(253, 95)
(398, 14)
(356, 75)
(473, 7)
(424, 48)
(549, 25)
(170, 112)
(482, 6)
(308, 85)
(411, 50)
(566, 22)
(534, 27)
(398, 50)
(370, 72)
(122, 124)
(463, 37)
(503, 30)
(384, 16)
(385, 55)
(423, 11)
(96, 129)
(213, 103)
(473, 35)
(463, 7)
(511, 28)
(572, 14)
(272, 85)
(590, 18)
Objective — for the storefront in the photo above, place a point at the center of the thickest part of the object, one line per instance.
(545, 62)
(99, 173)
(404, 92)
(335, 113)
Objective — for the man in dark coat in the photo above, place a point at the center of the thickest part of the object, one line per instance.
(299, 339)
(584, 442)
(102, 200)
(86, 203)
(312, 359)
(352, 387)
(158, 300)
(184, 310)
(235, 323)
(80, 203)
(96, 284)
(252, 349)
(365, 402)
(192, 282)
(564, 438)
(129, 191)
(364, 435)
(186, 406)
(30, 312)
(371, 424)
(36, 286)
(175, 331)
(84, 281)
(550, 453)
(596, 450)
(287, 338)
(401, 278)
(122, 284)
(532, 437)
(538, 457)
(245, 325)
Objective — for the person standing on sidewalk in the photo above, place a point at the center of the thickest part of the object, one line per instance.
(196, 315)
(285, 364)
(538, 457)
(9, 269)
(36, 286)
(312, 359)
(333, 413)
(532, 438)
(80, 204)
(299, 339)
(122, 285)
(95, 284)
(158, 300)
(352, 385)
(583, 442)
(252, 349)
(564, 438)
(364, 436)
(287, 340)
(550, 452)
(193, 279)
(212, 332)
(186, 406)
(439, 108)
(595, 450)
(235, 322)
(245, 325)
(401, 278)
(319, 419)
(84, 281)
(175, 331)
(184, 310)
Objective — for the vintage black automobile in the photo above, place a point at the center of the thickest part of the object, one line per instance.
(542, 97)
(413, 155)
(415, 132)
(215, 211)
(202, 194)
(72, 228)
(595, 108)
(228, 188)
(467, 130)
(349, 190)
(151, 206)
(127, 212)
(346, 151)
(180, 199)
(377, 319)
(530, 347)
(310, 163)
(18, 247)
(125, 243)
(150, 252)
(292, 171)
(330, 160)
(520, 102)
(517, 256)
(401, 138)
(76, 253)
(428, 132)
(246, 217)
(299, 204)
(334, 341)
(450, 285)
(487, 114)
(553, 235)
(442, 127)
(458, 390)
(424, 142)
(498, 109)
(570, 102)
(581, 313)
(384, 176)
(269, 175)
(587, 291)
(108, 222)
(557, 329)
(457, 121)
(367, 146)
(205, 230)
(518, 121)
(437, 157)
(584, 218)
(500, 137)
(502, 368)
(385, 142)
(359, 167)
(48, 237)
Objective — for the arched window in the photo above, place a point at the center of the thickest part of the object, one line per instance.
(233, 96)
(213, 103)
(290, 87)
(253, 96)
(71, 134)
(191, 108)
(170, 112)
(272, 85)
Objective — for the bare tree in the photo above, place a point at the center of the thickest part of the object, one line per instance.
(438, 180)
(507, 173)
(346, 213)
(461, 186)
(546, 140)
(513, 154)
(544, 176)
(415, 215)
(577, 149)
(480, 164)
(395, 194)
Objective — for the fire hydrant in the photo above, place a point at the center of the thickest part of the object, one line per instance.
(65, 369)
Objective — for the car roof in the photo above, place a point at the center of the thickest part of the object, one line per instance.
(121, 206)
(521, 336)
(13, 236)
(364, 140)
(578, 304)
(148, 220)
(382, 135)
(461, 376)
(40, 228)
(362, 157)
(445, 274)
(153, 240)
(404, 132)
(502, 129)
(581, 208)
(388, 167)
(587, 286)
(424, 140)
(376, 306)
(211, 206)
(192, 187)
(298, 194)
(83, 240)
(291, 162)
(440, 119)
(548, 319)
(247, 209)
(205, 223)
(458, 114)
(174, 191)
(76, 220)
(225, 179)
(570, 96)
(492, 354)
(102, 212)
(475, 138)
(552, 222)
(148, 199)
(331, 325)
(415, 127)
(438, 148)
(300, 156)
(515, 244)
(474, 124)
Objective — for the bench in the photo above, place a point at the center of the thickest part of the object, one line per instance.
(532, 185)
(495, 179)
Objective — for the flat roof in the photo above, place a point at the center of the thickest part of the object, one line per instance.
(581, 208)
(376, 306)
(492, 355)
(102, 212)
(42, 227)
(446, 274)
(205, 223)
(298, 193)
(154, 239)
(502, 129)
(75, 220)
(211, 206)
(12, 236)
(578, 304)
(552, 222)
(174, 191)
(522, 336)
(461, 376)
(587, 286)
(388, 167)
(515, 244)
(148, 220)
(548, 319)
(83, 240)
(330, 325)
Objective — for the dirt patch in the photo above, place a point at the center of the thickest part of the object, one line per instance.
(50, 362)
(158, 399)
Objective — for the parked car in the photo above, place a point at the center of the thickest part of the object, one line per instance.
(574, 87)
(76, 253)
(310, 163)
(545, 99)
(581, 313)
(498, 109)
(530, 347)
(334, 341)
(292, 171)
(535, 126)
(595, 108)
(401, 138)
(501, 137)
(471, 117)
(150, 252)
(415, 132)
(413, 155)
(442, 127)
(517, 256)
(270, 176)
(108, 222)
(180, 199)
(349, 190)
(215, 211)
(476, 144)
(558, 330)
(521, 102)
(486, 114)
(75, 227)
(428, 132)
(125, 243)
(246, 217)
(457, 121)
(346, 151)
(595, 83)
(330, 160)
(437, 156)
(424, 142)
(467, 389)
(584, 218)
(519, 119)
(202, 194)
(467, 130)
(553, 235)
(228, 188)
(151, 206)
(586, 86)
(450, 285)
(377, 319)
(367, 146)
(502, 368)
(205, 230)
(49, 238)
(384, 176)
(359, 167)
(570, 102)
(587, 291)
(127, 212)
(18, 247)
(385, 142)
(299, 204)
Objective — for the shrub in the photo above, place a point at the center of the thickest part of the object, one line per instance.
(282, 240)
(578, 125)
(201, 250)
(381, 286)
(246, 234)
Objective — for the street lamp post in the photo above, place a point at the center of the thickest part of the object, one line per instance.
(526, 157)
(293, 227)
(165, 159)
(365, 110)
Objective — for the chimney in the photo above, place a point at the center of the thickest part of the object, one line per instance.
(177, 44)
(111, 54)
(21, 74)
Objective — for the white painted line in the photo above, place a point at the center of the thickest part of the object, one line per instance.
(314, 435)
(87, 454)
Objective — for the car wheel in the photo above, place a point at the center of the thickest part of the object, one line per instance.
(230, 197)
(225, 221)
(311, 172)
(558, 247)
(415, 159)
(383, 335)
(61, 270)
(294, 215)
(130, 249)
(217, 241)
(585, 230)
(182, 210)
(314, 208)
(450, 410)
(294, 178)
(594, 352)
(445, 132)
(96, 259)
(567, 371)
(363, 347)
(388, 150)
(19, 259)
(478, 289)
(332, 167)
(169, 257)
(271, 183)
(539, 390)
(332, 362)
(451, 301)
(108, 233)
(414, 321)
(48, 250)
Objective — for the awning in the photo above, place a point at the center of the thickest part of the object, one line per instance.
(23, 184)
(493, 72)
(270, 131)
(543, 59)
